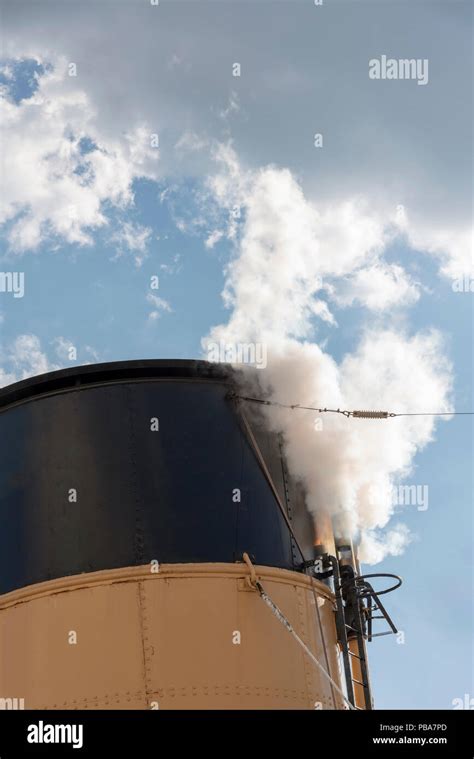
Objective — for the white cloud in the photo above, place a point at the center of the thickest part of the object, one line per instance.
(311, 253)
(370, 148)
(160, 306)
(452, 245)
(379, 287)
(190, 141)
(24, 358)
(50, 186)
(6, 71)
(175, 267)
(134, 238)
(64, 348)
(232, 106)
(374, 545)
(214, 238)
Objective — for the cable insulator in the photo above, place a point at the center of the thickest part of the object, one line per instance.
(371, 414)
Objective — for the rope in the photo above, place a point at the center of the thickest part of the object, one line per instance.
(267, 474)
(281, 618)
(355, 414)
(323, 640)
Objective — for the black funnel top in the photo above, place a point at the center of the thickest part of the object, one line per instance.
(115, 465)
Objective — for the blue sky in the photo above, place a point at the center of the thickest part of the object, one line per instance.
(92, 213)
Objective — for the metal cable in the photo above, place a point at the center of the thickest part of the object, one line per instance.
(281, 618)
(355, 414)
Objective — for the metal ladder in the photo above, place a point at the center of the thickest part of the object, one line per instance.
(354, 623)
(356, 605)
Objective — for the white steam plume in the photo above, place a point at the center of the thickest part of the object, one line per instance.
(275, 286)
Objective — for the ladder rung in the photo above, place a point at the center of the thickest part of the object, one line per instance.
(361, 658)
(364, 685)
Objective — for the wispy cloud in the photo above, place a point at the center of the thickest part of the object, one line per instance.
(134, 238)
(160, 306)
